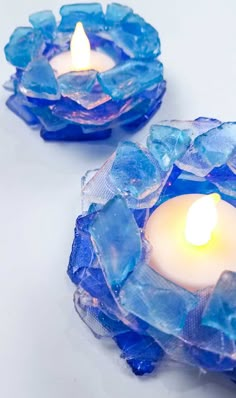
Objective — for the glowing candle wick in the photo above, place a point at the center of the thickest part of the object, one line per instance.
(80, 49)
(202, 219)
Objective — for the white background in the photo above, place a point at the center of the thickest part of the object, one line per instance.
(45, 350)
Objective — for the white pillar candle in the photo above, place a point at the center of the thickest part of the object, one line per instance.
(80, 57)
(193, 240)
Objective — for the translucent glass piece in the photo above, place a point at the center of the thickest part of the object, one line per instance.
(83, 88)
(116, 13)
(131, 78)
(24, 45)
(210, 144)
(91, 15)
(102, 115)
(167, 144)
(195, 163)
(149, 296)
(117, 240)
(16, 103)
(38, 81)
(49, 121)
(137, 38)
(220, 311)
(232, 162)
(44, 21)
(133, 171)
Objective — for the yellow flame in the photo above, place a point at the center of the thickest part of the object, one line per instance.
(80, 49)
(202, 219)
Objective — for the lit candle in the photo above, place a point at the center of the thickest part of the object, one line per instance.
(81, 57)
(193, 239)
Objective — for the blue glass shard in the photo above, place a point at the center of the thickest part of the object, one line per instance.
(91, 15)
(117, 240)
(82, 256)
(103, 115)
(116, 13)
(137, 38)
(167, 144)
(232, 162)
(24, 45)
(131, 78)
(38, 81)
(49, 121)
(83, 88)
(210, 144)
(141, 352)
(194, 162)
(225, 180)
(16, 103)
(133, 171)
(220, 311)
(149, 296)
(74, 132)
(45, 22)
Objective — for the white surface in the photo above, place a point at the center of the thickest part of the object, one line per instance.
(46, 351)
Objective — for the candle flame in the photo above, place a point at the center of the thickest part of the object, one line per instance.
(202, 219)
(80, 49)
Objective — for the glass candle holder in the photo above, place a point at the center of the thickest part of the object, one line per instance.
(118, 295)
(123, 85)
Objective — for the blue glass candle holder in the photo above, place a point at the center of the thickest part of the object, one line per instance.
(85, 105)
(118, 295)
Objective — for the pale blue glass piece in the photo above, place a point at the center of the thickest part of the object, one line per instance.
(232, 162)
(131, 78)
(83, 88)
(117, 240)
(220, 311)
(157, 301)
(167, 144)
(44, 21)
(210, 144)
(195, 163)
(137, 38)
(116, 13)
(133, 171)
(39, 81)
(91, 15)
(24, 45)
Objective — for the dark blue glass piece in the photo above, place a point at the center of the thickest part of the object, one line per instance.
(45, 22)
(24, 45)
(74, 132)
(141, 352)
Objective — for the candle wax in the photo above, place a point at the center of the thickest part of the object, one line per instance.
(62, 63)
(192, 267)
